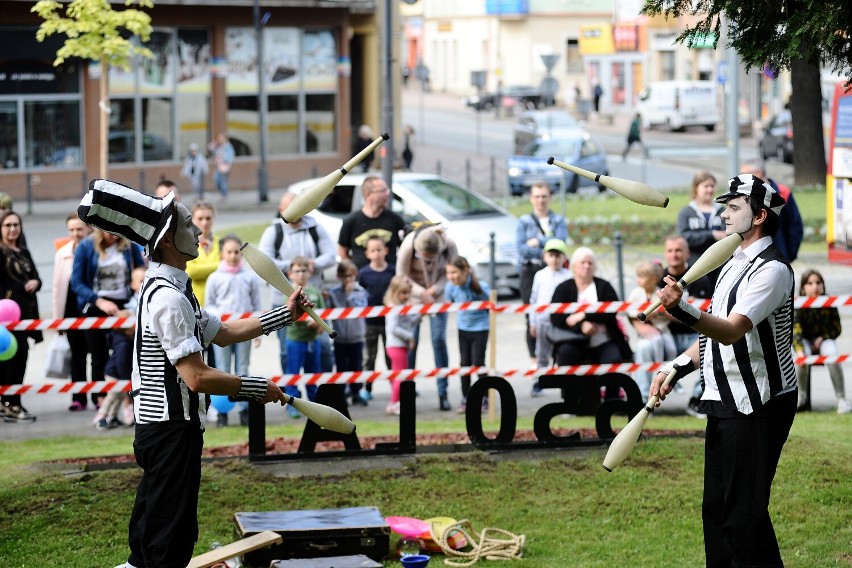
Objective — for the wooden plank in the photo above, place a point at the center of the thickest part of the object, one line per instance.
(259, 540)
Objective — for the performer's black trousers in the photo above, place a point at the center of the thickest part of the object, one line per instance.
(164, 522)
(741, 455)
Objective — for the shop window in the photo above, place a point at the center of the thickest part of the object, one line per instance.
(243, 121)
(283, 124)
(157, 130)
(121, 144)
(573, 59)
(52, 133)
(320, 123)
(8, 134)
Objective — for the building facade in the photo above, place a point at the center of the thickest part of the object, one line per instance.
(321, 79)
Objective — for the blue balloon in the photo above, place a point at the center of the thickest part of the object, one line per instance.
(5, 338)
(221, 403)
(10, 351)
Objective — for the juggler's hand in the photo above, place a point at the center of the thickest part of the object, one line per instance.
(274, 394)
(670, 295)
(657, 388)
(295, 302)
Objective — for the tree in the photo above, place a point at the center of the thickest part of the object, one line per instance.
(795, 35)
(94, 31)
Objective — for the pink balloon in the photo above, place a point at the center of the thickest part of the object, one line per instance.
(9, 310)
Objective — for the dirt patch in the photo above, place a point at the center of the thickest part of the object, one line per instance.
(291, 445)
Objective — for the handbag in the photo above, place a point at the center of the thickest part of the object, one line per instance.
(556, 335)
(58, 363)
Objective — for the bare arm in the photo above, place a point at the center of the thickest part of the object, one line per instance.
(343, 252)
(203, 379)
(237, 331)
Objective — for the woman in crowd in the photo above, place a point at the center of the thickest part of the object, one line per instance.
(597, 338)
(65, 303)
(19, 281)
(700, 222)
(101, 281)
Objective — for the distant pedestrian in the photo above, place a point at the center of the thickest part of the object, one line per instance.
(634, 135)
(407, 154)
(223, 158)
(195, 169)
(365, 136)
(597, 93)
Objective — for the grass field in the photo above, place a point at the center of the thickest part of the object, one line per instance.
(573, 513)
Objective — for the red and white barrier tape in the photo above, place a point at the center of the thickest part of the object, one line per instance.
(371, 376)
(63, 324)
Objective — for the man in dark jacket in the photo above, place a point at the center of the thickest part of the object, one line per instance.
(791, 230)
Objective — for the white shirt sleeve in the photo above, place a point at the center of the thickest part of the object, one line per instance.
(765, 292)
(172, 319)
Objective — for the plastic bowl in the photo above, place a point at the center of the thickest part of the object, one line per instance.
(415, 560)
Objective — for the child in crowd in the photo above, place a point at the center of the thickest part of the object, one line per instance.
(814, 333)
(375, 279)
(656, 342)
(120, 363)
(349, 343)
(399, 330)
(232, 289)
(303, 344)
(544, 283)
(473, 325)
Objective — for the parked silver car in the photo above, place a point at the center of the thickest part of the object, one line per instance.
(543, 124)
(468, 217)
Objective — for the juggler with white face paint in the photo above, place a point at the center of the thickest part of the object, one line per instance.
(745, 358)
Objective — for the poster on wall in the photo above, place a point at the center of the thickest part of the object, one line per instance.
(320, 61)
(193, 61)
(281, 52)
(157, 73)
(241, 50)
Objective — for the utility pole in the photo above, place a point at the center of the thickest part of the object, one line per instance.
(387, 102)
(262, 106)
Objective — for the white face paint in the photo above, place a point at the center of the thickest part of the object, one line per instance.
(186, 233)
(737, 216)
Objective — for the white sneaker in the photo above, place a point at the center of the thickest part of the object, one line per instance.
(844, 406)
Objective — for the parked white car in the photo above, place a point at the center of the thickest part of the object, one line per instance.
(468, 217)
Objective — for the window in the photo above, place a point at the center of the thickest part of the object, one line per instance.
(8, 134)
(52, 133)
(573, 60)
(339, 201)
(162, 105)
(39, 103)
(301, 86)
(320, 123)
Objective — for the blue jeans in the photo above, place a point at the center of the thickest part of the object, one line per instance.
(241, 353)
(221, 182)
(349, 357)
(438, 329)
(303, 354)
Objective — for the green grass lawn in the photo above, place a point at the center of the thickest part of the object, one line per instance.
(573, 513)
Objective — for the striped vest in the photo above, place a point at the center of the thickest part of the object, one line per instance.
(162, 394)
(763, 360)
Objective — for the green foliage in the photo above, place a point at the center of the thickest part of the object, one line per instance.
(94, 30)
(571, 511)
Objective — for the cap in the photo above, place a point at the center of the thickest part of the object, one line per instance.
(756, 189)
(126, 212)
(556, 244)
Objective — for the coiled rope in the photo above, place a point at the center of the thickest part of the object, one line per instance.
(491, 544)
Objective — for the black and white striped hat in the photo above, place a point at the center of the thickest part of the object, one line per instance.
(755, 188)
(126, 212)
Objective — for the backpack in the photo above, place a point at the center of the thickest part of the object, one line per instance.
(279, 238)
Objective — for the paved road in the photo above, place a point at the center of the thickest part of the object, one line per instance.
(47, 223)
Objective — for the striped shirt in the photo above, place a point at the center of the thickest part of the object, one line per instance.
(756, 283)
(169, 326)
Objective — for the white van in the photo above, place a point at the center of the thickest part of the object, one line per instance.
(678, 104)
